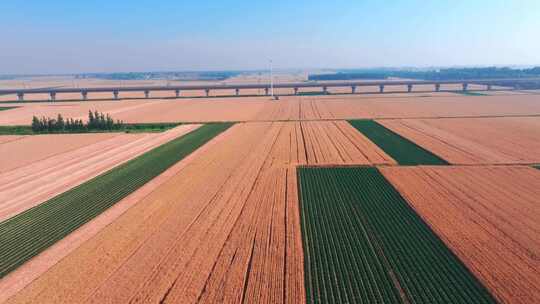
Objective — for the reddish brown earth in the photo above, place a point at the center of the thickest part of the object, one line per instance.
(19, 152)
(487, 215)
(27, 186)
(235, 238)
(398, 105)
(502, 140)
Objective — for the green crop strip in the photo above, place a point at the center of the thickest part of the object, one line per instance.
(29, 233)
(469, 93)
(364, 244)
(126, 128)
(404, 151)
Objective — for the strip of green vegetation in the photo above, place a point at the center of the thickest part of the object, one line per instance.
(29, 233)
(316, 93)
(128, 128)
(469, 93)
(404, 151)
(364, 244)
(7, 108)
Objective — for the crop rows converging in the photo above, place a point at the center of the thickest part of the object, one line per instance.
(404, 151)
(29, 233)
(364, 244)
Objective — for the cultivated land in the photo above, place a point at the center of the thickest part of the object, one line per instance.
(288, 108)
(364, 244)
(223, 223)
(20, 151)
(503, 140)
(488, 216)
(33, 183)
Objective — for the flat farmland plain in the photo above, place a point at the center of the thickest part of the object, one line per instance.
(487, 215)
(29, 185)
(502, 140)
(328, 107)
(238, 237)
(18, 151)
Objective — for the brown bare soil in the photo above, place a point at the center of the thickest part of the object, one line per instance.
(395, 105)
(234, 238)
(30, 185)
(487, 215)
(31, 270)
(503, 140)
(30, 149)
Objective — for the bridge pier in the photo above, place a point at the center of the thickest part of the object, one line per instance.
(465, 86)
(266, 91)
(53, 96)
(437, 87)
(295, 91)
(177, 93)
(146, 94)
(207, 91)
(84, 95)
(115, 94)
(381, 88)
(409, 88)
(353, 89)
(20, 96)
(237, 92)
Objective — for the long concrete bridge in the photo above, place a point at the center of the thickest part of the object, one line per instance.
(236, 88)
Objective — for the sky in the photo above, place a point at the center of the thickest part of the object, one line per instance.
(66, 36)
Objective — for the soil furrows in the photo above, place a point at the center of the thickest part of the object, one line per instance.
(466, 207)
(4, 139)
(331, 142)
(294, 260)
(324, 147)
(186, 190)
(32, 149)
(252, 264)
(367, 148)
(502, 140)
(226, 283)
(266, 278)
(433, 139)
(491, 198)
(187, 288)
(178, 239)
(36, 184)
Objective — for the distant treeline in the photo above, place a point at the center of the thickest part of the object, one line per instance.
(442, 74)
(96, 121)
(187, 76)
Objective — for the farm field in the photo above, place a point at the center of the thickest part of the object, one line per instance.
(221, 220)
(249, 212)
(401, 149)
(33, 183)
(32, 231)
(18, 151)
(364, 244)
(328, 107)
(487, 215)
(503, 140)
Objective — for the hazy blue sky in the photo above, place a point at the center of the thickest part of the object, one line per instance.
(53, 36)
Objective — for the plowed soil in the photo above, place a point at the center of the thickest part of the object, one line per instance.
(25, 187)
(487, 215)
(287, 108)
(503, 140)
(20, 151)
(236, 238)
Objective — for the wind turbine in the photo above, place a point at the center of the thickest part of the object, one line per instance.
(271, 80)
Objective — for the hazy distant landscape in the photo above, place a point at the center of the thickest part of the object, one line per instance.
(292, 152)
